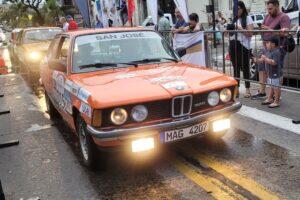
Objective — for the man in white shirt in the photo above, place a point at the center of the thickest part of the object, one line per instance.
(64, 23)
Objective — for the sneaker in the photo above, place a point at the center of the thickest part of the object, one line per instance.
(259, 96)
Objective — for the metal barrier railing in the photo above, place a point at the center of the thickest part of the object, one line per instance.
(219, 57)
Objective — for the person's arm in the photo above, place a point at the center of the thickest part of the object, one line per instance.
(249, 27)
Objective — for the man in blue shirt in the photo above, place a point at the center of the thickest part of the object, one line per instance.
(180, 24)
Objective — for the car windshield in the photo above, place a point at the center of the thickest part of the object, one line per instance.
(40, 35)
(106, 50)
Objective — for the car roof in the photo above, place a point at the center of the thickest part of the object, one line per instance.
(105, 30)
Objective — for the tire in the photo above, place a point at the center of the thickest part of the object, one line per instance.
(88, 149)
(53, 113)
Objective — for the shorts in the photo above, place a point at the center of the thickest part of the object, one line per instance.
(275, 82)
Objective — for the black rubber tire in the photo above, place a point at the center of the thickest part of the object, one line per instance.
(53, 113)
(93, 158)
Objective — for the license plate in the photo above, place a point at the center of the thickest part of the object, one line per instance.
(178, 134)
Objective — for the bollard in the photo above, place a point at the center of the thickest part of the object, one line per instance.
(2, 197)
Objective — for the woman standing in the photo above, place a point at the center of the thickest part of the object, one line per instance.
(240, 46)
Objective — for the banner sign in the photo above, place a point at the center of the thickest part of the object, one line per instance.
(190, 47)
(182, 7)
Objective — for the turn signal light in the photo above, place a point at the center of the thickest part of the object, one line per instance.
(97, 118)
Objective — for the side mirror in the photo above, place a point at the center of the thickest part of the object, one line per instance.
(58, 65)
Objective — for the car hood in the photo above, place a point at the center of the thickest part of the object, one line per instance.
(119, 87)
(39, 47)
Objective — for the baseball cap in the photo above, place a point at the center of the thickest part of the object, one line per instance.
(69, 17)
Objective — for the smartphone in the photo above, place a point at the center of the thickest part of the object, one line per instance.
(259, 25)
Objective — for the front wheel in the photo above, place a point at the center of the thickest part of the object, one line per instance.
(88, 149)
(53, 113)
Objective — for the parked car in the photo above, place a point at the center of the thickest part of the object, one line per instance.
(128, 89)
(31, 47)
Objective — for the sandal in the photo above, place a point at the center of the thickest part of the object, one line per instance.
(266, 102)
(247, 95)
(274, 105)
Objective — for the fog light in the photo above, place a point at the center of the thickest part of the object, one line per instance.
(143, 144)
(221, 125)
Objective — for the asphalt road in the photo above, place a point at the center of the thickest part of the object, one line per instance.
(255, 160)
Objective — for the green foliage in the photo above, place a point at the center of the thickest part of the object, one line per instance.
(18, 15)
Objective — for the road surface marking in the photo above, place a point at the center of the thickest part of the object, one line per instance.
(270, 118)
(230, 173)
(211, 185)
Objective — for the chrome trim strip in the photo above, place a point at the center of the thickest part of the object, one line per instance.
(183, 99)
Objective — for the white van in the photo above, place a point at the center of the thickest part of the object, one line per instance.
(258, 19)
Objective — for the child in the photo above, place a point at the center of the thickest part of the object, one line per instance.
(273, 63)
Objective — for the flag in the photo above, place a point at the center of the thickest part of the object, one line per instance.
(235, 8)
(153, 8)
(83, 7)
(182, 7)
(131, 8)
(190, 47)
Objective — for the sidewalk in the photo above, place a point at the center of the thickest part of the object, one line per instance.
(290, 103)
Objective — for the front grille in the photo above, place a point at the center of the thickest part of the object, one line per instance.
(177, 107)
(182, 106)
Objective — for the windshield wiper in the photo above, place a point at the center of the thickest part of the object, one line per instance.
(100, 65)
(148, 60)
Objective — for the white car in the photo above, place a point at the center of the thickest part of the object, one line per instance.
(258, 19)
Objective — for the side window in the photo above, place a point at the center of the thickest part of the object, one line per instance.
(64, 49)
(53, 48)
(259, 17)
(19, 38)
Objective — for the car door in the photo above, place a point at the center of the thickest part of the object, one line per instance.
(56, 79)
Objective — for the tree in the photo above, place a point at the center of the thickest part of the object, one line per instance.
(32, 4)
(42, 12)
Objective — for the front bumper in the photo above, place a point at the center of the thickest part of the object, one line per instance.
(127, 133)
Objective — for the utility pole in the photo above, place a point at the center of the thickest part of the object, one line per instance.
(214, 22)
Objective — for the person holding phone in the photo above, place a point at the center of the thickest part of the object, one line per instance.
(240, 46)
(275, 20)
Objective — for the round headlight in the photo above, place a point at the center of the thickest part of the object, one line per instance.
(225, 95)
(139, 113)
(119, 116)
(213, 98)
